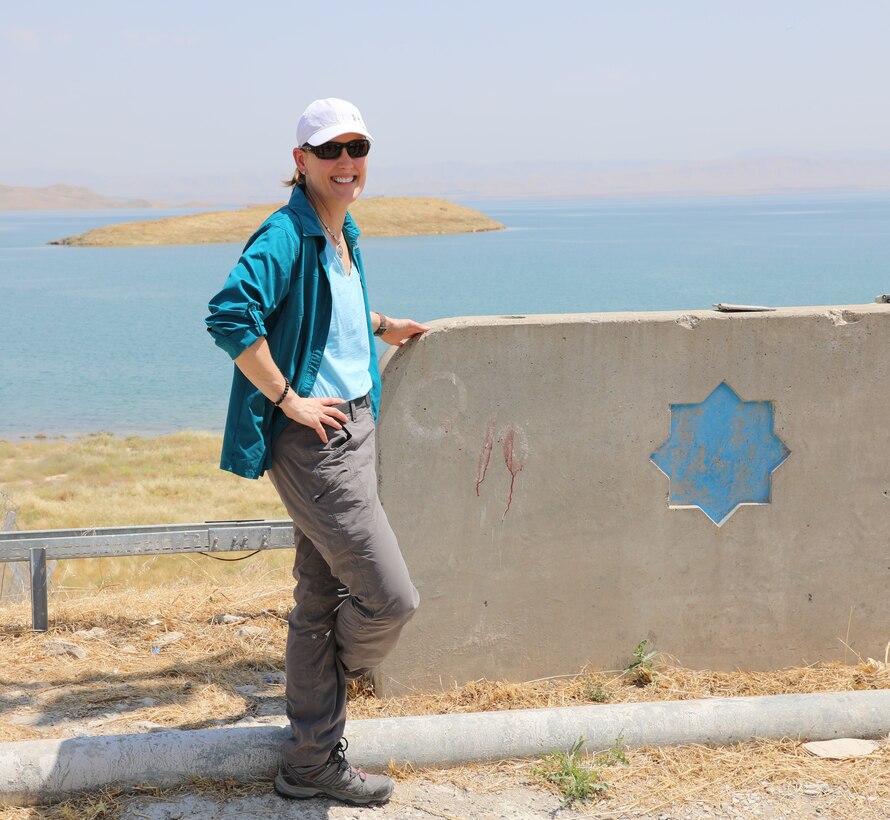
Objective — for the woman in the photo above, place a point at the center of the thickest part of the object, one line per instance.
(294, 316)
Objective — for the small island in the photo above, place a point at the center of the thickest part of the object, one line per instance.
(378, 216)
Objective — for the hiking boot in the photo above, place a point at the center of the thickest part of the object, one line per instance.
(336, 779)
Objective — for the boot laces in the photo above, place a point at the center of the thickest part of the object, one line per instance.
(338, 757)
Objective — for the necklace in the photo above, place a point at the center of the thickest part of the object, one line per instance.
(338, 243)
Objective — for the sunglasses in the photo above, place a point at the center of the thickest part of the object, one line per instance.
(332, 150)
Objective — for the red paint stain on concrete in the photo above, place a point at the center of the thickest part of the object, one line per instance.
(485, 455)
(514, 461)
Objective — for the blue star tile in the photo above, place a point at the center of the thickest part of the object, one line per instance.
(720, 453)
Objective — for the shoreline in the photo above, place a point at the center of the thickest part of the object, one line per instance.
(41, 437)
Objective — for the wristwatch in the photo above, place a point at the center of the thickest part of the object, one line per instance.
(383, 327)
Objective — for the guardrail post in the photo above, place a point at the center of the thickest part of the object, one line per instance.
(39, 606)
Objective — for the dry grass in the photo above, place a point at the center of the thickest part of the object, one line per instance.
(676, 775)
(106, 480)
(194, 678)
(381, 216)
(667, 779)
(103, 480)
(191, 683)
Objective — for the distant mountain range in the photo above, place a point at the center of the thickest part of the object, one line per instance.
(565, 179)
(61, 198)
(464, 180)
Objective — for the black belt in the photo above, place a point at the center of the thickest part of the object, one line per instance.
(350, 407)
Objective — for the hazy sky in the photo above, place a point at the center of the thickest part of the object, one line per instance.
(201, 87)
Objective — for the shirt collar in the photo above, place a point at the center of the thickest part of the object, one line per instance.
(309, 220)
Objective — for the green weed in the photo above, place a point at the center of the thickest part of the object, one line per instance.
(617, 754)
(595, 692)
(568, 772)
(641, 672)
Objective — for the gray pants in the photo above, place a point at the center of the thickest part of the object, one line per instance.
(353, 593)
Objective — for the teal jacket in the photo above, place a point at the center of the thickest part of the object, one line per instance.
(279, 289)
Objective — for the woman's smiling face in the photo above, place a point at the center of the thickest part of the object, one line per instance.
(333, 182)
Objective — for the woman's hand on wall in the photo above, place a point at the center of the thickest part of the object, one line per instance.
(398, 331)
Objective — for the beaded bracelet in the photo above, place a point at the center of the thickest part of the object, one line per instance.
(284, 393)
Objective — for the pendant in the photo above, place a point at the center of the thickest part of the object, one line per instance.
(340, 250)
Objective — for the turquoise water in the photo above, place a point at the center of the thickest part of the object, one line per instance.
(113, 338)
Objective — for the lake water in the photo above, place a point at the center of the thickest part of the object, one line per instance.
(113, 338)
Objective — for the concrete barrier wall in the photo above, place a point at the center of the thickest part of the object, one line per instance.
(516, 466)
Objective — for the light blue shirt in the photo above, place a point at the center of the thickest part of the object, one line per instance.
(279, 289)
(343, 371)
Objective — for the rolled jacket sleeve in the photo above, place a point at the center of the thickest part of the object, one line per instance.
(254, 289)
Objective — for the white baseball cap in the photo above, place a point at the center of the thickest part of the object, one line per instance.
(325, 119)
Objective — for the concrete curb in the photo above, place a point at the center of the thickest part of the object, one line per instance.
(41, 771)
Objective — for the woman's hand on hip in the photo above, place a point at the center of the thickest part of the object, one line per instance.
(257, 365)
(315, 413)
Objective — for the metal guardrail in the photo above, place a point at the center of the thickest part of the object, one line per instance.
(38, 546)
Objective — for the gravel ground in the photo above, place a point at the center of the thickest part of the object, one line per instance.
(420, 800)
